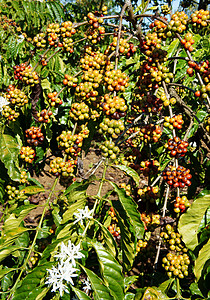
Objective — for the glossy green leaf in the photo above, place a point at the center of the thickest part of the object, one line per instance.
(203, 257)
(127, 209)
(111, 271)
(81, 295)
(32, 190)
(153, 293)
(129, 280)
(6, 252)
(9, 155)
(3, 272)
(190, 221)
(107, 239)
(101, 292)
(129, 171)
(173, 48)
(31, 282)
(129, 296)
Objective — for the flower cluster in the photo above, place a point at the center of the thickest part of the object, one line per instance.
(65, 269)
(83, 214)
(3, 102)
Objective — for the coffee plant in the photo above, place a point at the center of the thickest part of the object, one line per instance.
(129, 92)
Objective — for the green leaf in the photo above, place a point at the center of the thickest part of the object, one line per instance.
(101, 292)
(6, 252)
(31, 282)
(81, 295)
(190, 221)
(9, 155)
(128, 281)
(107, 239)
(111, 271)
(127, 208)
(203, 257)
(32, 190)
(153, 293)
(132, 173)
(129, 296)
(173, 48)
(3, 272)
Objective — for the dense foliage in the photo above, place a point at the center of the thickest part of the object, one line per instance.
(132, 87)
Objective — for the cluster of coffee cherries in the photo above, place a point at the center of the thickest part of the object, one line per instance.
(177, 177)
(177, 147)
(150, 221)
(18, 69)
(87, 90)
(113, 228)
(71, 144)
(53, 100)
(161, 73)
(53, 32)
(165, 9)
(34, 259)
(116, 80)
(44, 116)
(176, 265)
(150, 133)
(151, 42)
(177, 24)
(207, 124)
(149, 103)
(93, 59)
(199, 18)
(96, 30)
(34, 136)
(174, 122)
(9, 113)
(150, 167)
(123, 46)
(188, 41)
(172, 239)
(79, 111)
(149, 194)
(27, 154)
(159, 27)
(67, 31)
(111, 127)
(59, 167)
(16, 97)
(141, 245)
(29, 76)
(109, 150)
(166, 102)
(39, 40)
(14, 194)
(23, 177)
(126, 187)
(114, 107)
(70, 80)
(181, 204)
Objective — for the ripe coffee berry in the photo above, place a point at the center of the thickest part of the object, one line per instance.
(18, 69)
(70, 80)
(28, 154)
(150, 167)
(34, 136)
(174, 122)
(44, 116)
(62, 168)
(177, 177)
(114, 107)
(53, 100)
(181, 204)
(177, 147)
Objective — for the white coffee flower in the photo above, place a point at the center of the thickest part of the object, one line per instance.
(20, 39)
(69, 253)
(64, 271)
(87, 285)
(83, 214)
(3, 102)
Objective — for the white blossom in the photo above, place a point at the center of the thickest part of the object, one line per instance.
(20, 38)
(87, 286)
(83, 214)
(69, 253)
(57, 275)
(3, 102)
(65, 270)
